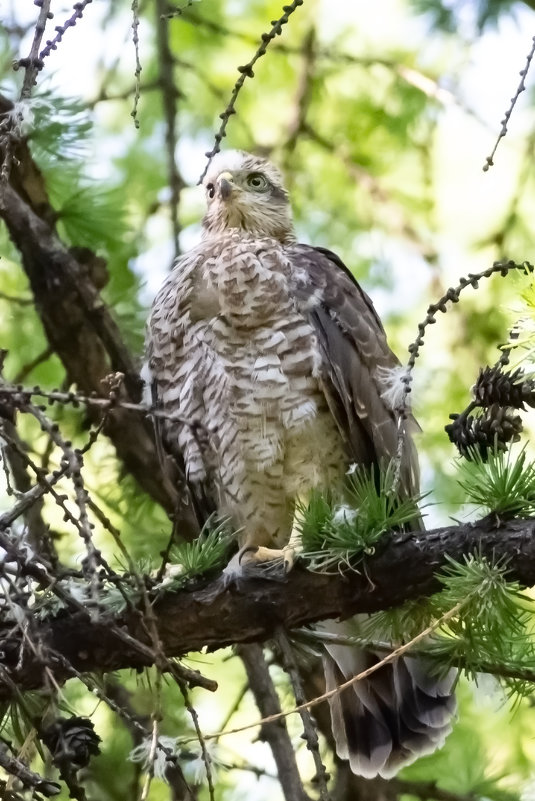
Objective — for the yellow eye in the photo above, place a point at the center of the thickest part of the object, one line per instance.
(257, 181)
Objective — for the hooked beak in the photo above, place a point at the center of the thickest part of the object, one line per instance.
(226, 185)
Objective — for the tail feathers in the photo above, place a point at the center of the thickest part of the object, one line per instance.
(387, 721)
(361, 736)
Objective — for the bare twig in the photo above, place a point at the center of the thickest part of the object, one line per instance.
(451, 296)
(72, 459)
(170, 95)
(489, 161)
(33, 63)
(310, 734)
(20, 394)
(28, 778)
(153, 741)
(29, 498)
(37, 537)
(246, 71)
(177, 12)
(137, 71)
(391, 657)
(61, 30)
(200, 739)
(235, 706)
(304, 90)
(105, 96)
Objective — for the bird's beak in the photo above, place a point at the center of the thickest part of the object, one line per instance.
(226, 185)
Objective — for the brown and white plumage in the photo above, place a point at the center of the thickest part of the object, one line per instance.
(277, 357)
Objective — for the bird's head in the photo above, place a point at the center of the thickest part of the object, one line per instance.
(246, 192)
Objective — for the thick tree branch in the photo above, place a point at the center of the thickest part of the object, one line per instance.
(213, 616)
(78, 324)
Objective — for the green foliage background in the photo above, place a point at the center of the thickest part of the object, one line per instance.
(381, 116)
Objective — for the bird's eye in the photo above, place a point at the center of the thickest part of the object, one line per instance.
(257, 181)
(210, 188)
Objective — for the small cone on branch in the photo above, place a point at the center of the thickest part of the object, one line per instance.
(489, 432)
(505, 389)
(72, 741)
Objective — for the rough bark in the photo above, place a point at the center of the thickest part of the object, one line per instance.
(213, 616)
(65, 283)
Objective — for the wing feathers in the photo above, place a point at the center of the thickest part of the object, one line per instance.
(401, 711)
(355, 359)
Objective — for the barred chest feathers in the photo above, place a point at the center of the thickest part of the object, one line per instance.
(233, 350)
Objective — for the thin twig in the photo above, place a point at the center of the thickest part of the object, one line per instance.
(200, 739)
(501, 671)
(235, 706)
(304, 91)
(153, 741)
(73, 460)
(170, 95)
(137, 71)
(450, 297)
(489, 161)
(28, 778)
(29, 498)
(177, 12)
(391, 657)
(105, 96)
(21, 395)
(37, 530)
(34, 63)
(310, 733)
(246, 71)
(61, 30)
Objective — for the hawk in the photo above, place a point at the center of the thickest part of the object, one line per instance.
(278, 355)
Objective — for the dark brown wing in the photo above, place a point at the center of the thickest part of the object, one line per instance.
(400, 711)
(355, 355)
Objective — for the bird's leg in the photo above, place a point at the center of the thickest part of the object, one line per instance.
(256, 557)
(252, 553)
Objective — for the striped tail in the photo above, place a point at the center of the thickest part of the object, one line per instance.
(384, 722)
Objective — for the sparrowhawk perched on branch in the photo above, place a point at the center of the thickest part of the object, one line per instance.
(276, 352)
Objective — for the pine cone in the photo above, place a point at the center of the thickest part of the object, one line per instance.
(487, 433)
(505, 389)
(72, 741)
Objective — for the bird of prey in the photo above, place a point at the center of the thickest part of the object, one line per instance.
(275, 352)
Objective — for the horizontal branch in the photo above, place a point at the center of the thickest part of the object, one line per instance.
(211, 615)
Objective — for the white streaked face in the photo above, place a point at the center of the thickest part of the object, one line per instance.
(246, 192)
